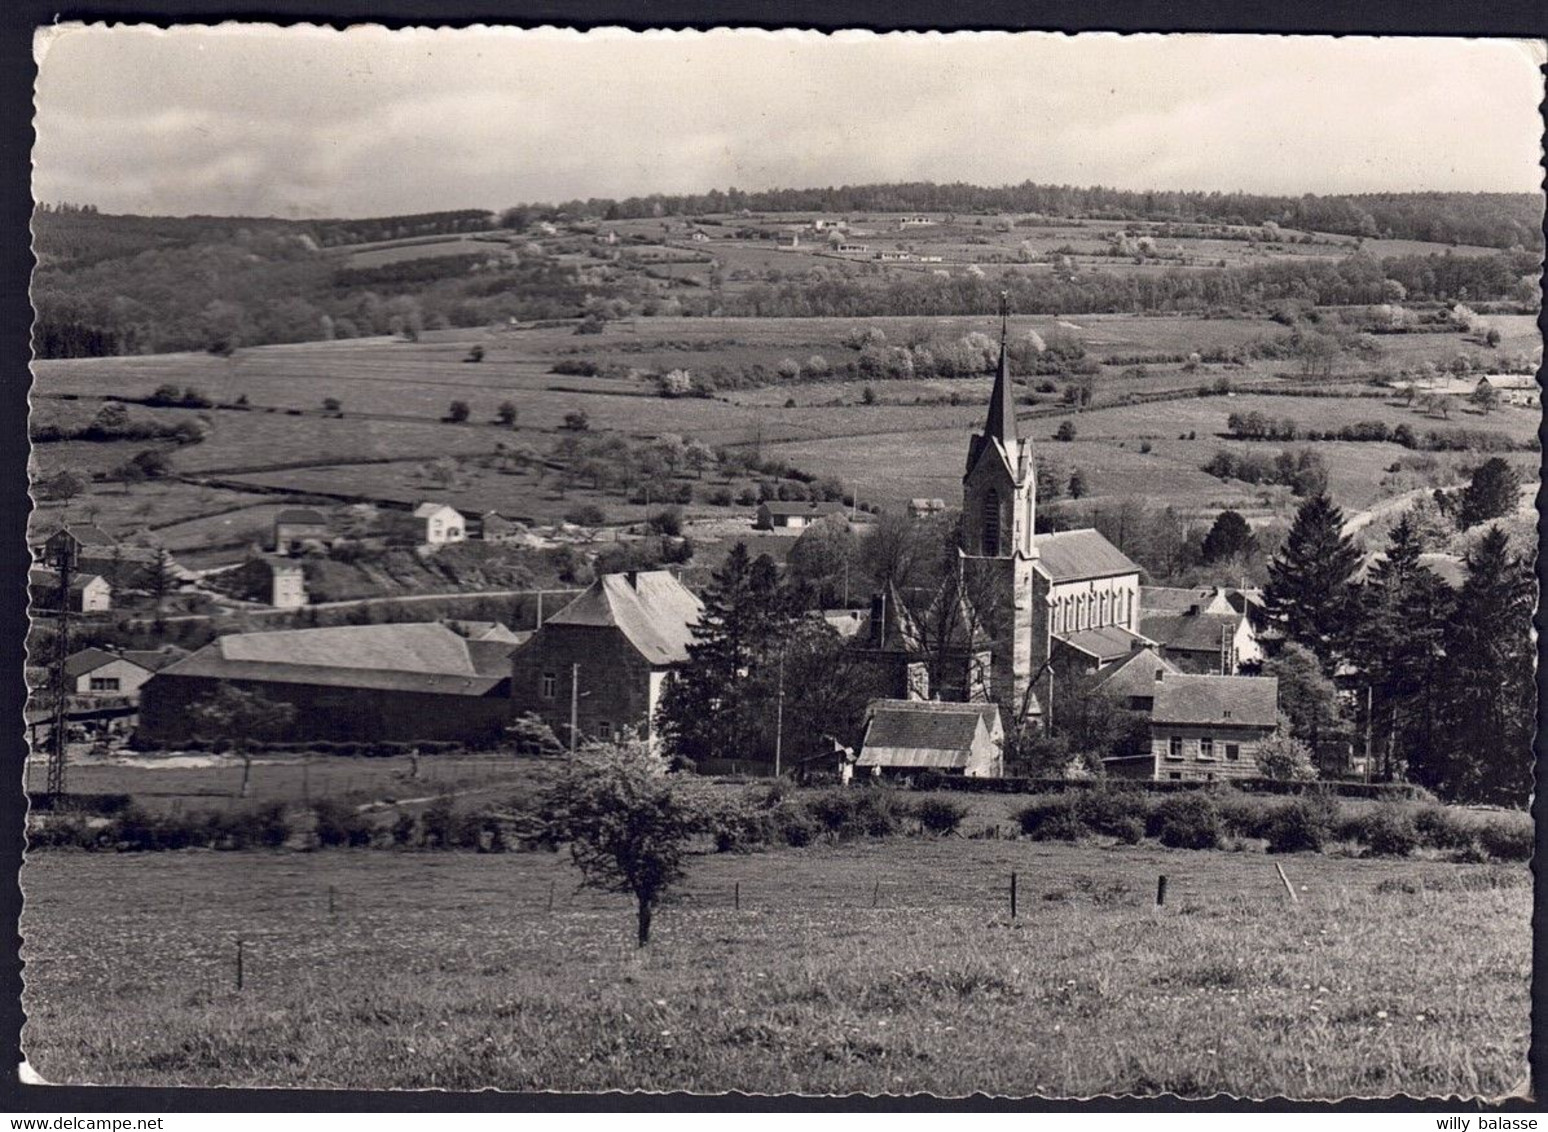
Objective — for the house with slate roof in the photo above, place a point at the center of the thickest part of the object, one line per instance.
(606, 655)
(404, 682)
(908, 736)
(1209, 728)
(294, 527)
(1202, 630)
(100, 672)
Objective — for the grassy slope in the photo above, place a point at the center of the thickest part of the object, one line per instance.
(447, 970)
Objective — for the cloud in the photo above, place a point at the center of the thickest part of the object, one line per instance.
(316, 122)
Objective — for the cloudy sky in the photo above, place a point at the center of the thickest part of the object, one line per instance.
(307, 122)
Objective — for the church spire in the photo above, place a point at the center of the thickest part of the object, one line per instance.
(1001, 422)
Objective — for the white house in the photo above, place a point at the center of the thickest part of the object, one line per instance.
(287, 584)
(442, 524)
(98, 672)
(89, 593)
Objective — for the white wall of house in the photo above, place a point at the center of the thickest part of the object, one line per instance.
(444, 526)
(96, 596)
(289, 586)
(115, 678)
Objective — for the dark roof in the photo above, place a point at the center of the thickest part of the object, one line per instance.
(899, 631)
(155, 659)
(78, 580)
(418, 657)
(301, 515)
(651, 608)
(1191, 632)
(1069, 556)
(923, 733)
(1137, 675)
(1173, 599)
(87, 534)
(798, 507)
(1108, 643)
(1242, 701)
(77, 664)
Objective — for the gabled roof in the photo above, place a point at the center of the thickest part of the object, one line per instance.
(1137, 675)
(420, 657)
(1510, 380)
(87, 534)
(899, 632)
(155, 659)
(301, 515)
(425, 510)
(49, 579)
(924, 733)
(802, 507)
(1238, 701)
(1191, 632)
(80, 663)
(1072, 556)
(482, 630)
(651, 608)
(1174, 599)
(1105, 644)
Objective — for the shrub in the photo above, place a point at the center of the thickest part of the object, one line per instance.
(1506, 841)
(927, 780)
(337, 824)
(794, 826)
(405, 831)
(270, 828)
(1187, 821)
(1052, 817)
(844, 814)
(1388, 831)
(940, 815)
(1440, 828)
(1299, 825)
(1114, 813)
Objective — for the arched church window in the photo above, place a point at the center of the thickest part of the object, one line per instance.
(991, 528)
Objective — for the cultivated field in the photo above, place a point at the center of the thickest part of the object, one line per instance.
(888, 967)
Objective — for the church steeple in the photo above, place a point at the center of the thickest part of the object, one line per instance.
(1001, 422)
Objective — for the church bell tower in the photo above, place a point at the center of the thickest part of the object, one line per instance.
(996, 553)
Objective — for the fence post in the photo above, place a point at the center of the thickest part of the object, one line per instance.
(736, 896)
(1294, 899)
(876, 894)
(240, 946)
(1160, 890)
(1013, 896)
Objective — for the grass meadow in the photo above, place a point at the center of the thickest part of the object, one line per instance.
(883, 967)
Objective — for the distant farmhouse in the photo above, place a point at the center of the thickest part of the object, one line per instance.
(295, 527)
(1514, 388)
(921, 508)
(89, 593)
(776, 515)
(402, 682)
(440, 524)
(605, 656)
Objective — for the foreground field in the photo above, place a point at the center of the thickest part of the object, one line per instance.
(881, 968)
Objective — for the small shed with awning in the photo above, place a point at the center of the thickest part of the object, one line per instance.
(908, 736)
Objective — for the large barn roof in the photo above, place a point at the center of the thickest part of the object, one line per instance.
(919, 733)
(651, 608)
(1242, 701)
(1070, 556)
(408, 657)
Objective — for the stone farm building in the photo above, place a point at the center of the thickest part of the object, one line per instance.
(1206, 728)
(405, 682)
(909, 736)
(607, 653)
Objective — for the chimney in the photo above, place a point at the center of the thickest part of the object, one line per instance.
(634, 579)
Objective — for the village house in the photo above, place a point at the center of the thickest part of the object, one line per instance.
(89, 593)
(1209, 728)
(699, 236)
(440, 524)
(287, 583)
(495, 527)
(777, 515)
(100, 672)
(854, 249)
(1514, 388)
(921, 508)
(403, 682)
(909, 736)
(915, 222)
(1132, 684)
(80, 541)
(295, 527)
(1201, 630)
(604, 657)
(894, 256)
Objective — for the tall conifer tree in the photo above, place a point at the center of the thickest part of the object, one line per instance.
(1310, 590)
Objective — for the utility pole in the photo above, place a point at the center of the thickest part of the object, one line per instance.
(64, 560)
(574, 706)
(779, 716)
(1367, 733)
